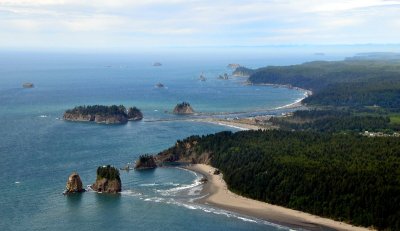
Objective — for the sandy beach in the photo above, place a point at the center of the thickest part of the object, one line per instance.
(219, 196)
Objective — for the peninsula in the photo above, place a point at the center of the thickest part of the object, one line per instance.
(103, 114)
(294, 170)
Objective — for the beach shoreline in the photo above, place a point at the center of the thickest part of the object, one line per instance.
(250, 123)
(217, 195)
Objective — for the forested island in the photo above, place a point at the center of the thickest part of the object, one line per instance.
(103, 114)
(183, 108)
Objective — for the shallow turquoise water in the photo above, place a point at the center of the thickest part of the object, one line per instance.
(38, 150)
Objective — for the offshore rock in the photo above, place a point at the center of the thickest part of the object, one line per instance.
(183, 108)
(108, 180)
(74, 184)
(27, 85)
(145, 162)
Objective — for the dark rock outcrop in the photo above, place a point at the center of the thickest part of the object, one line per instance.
(145, 162)
(134, 114)
(159, 85)
(157, 64)
(74, 184)
(184, 152)
(108, 180)
(27, 85)
(183, 108)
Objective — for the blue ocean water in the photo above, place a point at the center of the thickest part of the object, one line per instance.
(38, 150)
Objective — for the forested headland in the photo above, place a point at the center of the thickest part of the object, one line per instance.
(346, 177)
(354, 82)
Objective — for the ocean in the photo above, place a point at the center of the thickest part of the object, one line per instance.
(39, 150)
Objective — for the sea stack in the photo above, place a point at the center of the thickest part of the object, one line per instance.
(159, 85)
(145, 162)
(27, 85)
(233, 65)
(134, 114)
(107, 180)
(157, 64)
(74, 184)
(183, 108)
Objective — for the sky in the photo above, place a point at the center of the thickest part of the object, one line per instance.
(155, 24)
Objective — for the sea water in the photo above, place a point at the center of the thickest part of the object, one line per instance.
(38, 150)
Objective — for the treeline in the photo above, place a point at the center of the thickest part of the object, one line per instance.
(350, 178)
(333, 121)
(108, 172)
(99, 110)
(113, 110)
(353, 82)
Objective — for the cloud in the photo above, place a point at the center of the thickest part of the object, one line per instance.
(196, 23)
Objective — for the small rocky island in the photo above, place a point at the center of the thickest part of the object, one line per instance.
(107, 180)
(224, 77)
(159, 85)
(27, 85)
(74, 184)
(103, 114)
(145, 162)
(233, 65)
(183, 108)
(157, 64)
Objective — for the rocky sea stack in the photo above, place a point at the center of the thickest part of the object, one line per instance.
(74, 184)
(233, 65)
(103, 114)
(145, 162)
(183, 108)
(134, 114)
(27, 85)
(107, 180)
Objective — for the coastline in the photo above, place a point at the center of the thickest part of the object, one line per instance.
(218, 195)
(251, 123)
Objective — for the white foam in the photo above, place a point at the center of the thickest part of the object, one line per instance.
(155, 199)
(232, 126)
(130, 193)
(247, 219)
(43, 116)
(168, 192)
(17, 182)
(159, 184)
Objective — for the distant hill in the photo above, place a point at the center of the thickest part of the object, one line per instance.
(363, 80)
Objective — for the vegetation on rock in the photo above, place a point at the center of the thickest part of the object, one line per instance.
(107, 180)
(145, 161)
(103, 114)
(183, 108)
